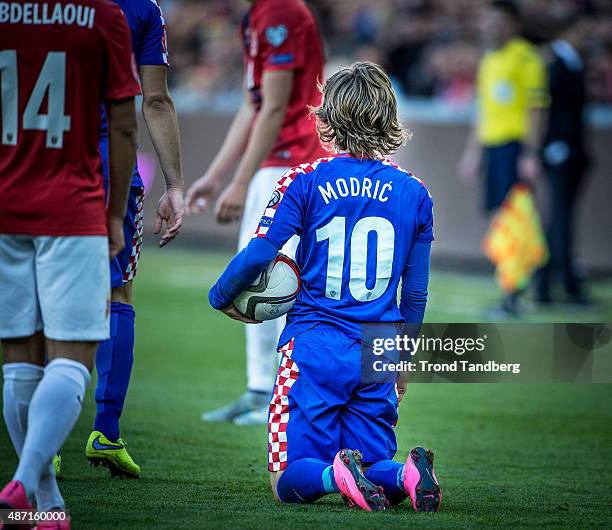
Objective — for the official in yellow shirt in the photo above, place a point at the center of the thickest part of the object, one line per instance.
(512, 91)
(511, 82)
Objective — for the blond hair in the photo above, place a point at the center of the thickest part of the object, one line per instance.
(358, 112)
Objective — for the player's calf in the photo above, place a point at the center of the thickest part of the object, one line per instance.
(114, 362)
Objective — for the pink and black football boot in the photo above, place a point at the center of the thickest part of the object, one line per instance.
(355, 489)
(420, 481)
(13, 496)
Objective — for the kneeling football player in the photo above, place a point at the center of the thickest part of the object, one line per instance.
(364, 224)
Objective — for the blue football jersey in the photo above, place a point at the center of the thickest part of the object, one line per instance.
(358, 220)
(148, 31)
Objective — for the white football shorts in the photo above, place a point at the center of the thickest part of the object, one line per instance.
(57, 284)
(259, 193)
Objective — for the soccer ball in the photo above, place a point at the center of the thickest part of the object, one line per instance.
(273, 293)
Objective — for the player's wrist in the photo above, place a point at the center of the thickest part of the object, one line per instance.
(240, 182)
(215, 175)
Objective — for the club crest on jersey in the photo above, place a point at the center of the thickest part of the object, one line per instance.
(276, 35)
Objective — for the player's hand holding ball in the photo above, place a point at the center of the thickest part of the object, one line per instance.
(271, 295)
(116, 240)
(233, 313)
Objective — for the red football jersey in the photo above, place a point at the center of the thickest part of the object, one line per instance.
(283, 35)
(59, 61)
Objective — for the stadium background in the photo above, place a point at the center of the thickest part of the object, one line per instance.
(507, 455)
(431, 48)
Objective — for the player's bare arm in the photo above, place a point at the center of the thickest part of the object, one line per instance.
(122, 155)
(206, 188)
(276, 92)
(160, 116)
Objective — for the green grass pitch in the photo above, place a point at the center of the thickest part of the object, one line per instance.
(506, 455)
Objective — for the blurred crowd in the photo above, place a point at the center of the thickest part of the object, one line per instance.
(430, 47)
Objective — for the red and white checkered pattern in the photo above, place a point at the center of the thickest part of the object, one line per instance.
(132, 268)
(278, 418)
(280, 189)
(388, 162)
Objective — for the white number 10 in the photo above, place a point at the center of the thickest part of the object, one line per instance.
(335, 232)
(52, 79)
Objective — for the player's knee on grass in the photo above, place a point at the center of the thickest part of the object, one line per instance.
(25, 349)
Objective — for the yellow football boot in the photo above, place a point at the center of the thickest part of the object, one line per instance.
(113, 455)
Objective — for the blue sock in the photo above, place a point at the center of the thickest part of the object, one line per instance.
(306, 480)
(114, 360)
(388, 474)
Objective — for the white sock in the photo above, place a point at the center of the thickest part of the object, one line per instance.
(48, 495)
(20, 382)
(54, 409)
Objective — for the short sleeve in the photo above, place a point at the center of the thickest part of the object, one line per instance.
(279, 41)
(534, 81)
(154, 49)
(425, 218)
(121, 74)
(284, 214)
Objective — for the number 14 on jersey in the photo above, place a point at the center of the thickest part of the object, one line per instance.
(51, 81)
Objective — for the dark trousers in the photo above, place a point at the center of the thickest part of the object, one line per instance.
(565, 181)
(501, 173)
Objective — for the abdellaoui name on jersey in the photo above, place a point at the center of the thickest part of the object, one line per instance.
(47, 14)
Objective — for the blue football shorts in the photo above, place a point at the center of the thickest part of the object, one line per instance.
(319, 404)
(124, 266)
